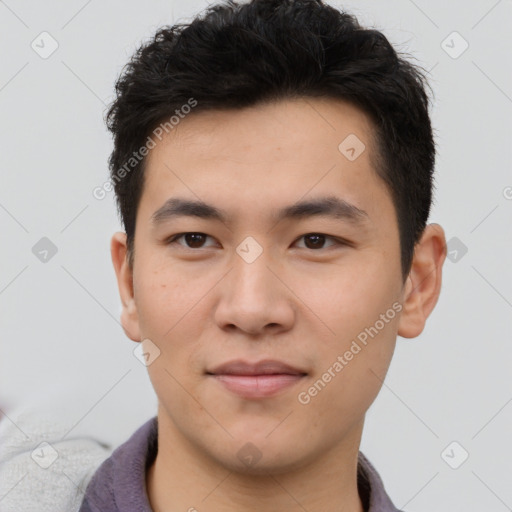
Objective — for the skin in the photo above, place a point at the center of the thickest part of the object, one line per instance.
(203, 305)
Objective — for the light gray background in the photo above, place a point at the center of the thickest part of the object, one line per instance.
(62, 345)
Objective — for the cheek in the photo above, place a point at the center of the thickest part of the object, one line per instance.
(362, 311)
(359, 363)
(163, 297)
(349, 297)
(171, 309)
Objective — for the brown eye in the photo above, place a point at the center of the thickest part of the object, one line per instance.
(192, 240)
(316, 241)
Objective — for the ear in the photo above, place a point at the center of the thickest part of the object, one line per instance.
(423, 283)
(124, 274)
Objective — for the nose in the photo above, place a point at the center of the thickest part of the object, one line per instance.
(254, 298)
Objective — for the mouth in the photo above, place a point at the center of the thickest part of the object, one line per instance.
(256, 380)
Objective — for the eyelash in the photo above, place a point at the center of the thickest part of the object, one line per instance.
(338, 241)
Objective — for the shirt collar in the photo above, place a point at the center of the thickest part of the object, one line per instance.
(119, 484)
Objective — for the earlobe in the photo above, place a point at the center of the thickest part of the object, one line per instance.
(124, 274)
(423, 284)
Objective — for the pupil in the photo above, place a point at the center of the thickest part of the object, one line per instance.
(319, 239)
(190, 239)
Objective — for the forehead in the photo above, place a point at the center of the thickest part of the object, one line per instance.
(322, 122)
(272, 155)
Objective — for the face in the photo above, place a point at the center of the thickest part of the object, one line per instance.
(256, 277)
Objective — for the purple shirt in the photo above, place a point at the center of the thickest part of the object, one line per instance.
(119, 484)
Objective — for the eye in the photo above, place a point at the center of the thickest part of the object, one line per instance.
(316, 241)
(193, 240)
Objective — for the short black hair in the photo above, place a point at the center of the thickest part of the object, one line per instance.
(235, 55)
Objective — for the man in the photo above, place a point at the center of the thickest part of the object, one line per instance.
(273, 165)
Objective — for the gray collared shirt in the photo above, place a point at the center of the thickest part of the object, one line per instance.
(119, 484)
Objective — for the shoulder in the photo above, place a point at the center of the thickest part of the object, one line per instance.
(371, 488)
(43, 467)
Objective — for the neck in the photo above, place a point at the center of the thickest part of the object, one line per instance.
(183, 478)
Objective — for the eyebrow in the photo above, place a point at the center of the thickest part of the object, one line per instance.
(329, 206)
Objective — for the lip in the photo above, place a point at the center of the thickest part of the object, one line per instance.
(264, 367)
(256, 380)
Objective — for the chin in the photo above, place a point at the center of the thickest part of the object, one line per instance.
(261, 457)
